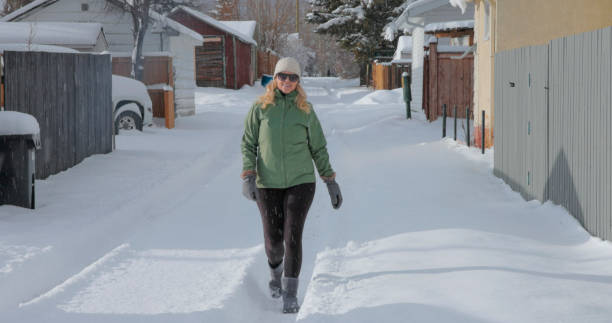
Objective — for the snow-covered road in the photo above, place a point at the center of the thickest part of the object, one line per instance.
(158, 230)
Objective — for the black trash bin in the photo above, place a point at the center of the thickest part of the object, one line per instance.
(17, 169)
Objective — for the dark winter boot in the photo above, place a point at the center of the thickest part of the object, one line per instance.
(275, 280)
(290, 301)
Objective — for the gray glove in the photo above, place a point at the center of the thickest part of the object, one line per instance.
(248, 187)
(334, 193)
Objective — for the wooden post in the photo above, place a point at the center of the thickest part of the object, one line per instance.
(433, 82)
(169, 109)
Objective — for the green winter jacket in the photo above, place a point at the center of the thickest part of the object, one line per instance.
(281, 141)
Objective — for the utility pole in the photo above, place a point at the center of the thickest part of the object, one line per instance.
(297, 16)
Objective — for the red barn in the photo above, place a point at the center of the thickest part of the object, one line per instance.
(227, 58)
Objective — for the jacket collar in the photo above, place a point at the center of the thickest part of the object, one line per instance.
(279, 94)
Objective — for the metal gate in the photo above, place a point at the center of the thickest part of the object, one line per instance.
(521, 112)
(210, 62)
(448, 81)
(552, 125)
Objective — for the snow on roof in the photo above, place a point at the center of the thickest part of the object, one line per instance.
(167, 22)
(36, 48)
(17, 123)
(404, 49)
(216, 23)
(452, 49)
(426, 5)
(50, 33)
(24, 9)
(129, 54)
(414, 9)
(401, 61)
(247, 27)
(450, 25)
(162, 20)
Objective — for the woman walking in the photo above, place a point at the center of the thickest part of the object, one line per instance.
(282, 138)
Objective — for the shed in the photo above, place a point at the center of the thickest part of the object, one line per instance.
(227, 57)
(415, 17)
(163, 35)
(84, 37)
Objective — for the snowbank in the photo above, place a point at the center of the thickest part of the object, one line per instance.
(17, 123)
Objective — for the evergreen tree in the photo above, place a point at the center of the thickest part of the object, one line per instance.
(356, 25)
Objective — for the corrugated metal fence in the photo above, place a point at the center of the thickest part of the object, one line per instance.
(70, 96)
(553, 125)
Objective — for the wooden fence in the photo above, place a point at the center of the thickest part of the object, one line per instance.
(266, 61)
(70, 96)
(447, 81)
(387, 76)
(553, 125)
(157, 70)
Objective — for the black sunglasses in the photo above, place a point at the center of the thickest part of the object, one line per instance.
(291, 77)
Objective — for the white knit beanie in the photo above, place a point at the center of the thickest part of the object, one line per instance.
(288, 64)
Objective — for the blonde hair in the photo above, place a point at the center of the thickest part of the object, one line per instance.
(268, 97)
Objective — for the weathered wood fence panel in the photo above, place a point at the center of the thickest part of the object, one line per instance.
(388, 76)
(157, 70)
(447, 81)
(266, 61)
(70, 96)
(553, 127)
(381, 76)
(210, 63)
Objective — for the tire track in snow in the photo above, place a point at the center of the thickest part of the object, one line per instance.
(83, 274)
(122, 222)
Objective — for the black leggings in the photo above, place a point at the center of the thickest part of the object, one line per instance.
(283, 213)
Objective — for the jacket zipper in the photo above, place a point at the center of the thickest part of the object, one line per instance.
(283, 140)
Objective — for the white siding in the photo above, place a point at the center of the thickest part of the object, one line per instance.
(183, 61)
(117, 23)
(117, 26)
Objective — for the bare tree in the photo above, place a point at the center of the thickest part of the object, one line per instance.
(139, 11)
(12, 5)
(227, 10)
(275, 19)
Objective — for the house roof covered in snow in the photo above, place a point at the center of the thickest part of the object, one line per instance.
(74, 35)
(431, 10)
(449, 26)
(164, 21)
(27, 8)
(158, 19)
(247, 27)
(229, 28)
